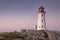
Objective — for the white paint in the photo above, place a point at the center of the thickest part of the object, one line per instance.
(41, 25)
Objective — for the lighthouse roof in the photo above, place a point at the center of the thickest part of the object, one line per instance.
(41, 7)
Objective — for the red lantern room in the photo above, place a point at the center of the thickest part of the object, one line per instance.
(41, 9)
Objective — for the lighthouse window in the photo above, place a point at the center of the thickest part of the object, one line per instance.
(42, 14)
(39, 26)
(42, 26)
(42, 20)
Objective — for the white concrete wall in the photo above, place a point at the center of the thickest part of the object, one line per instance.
(40, 23)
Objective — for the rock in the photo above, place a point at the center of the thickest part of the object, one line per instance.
(42, 35)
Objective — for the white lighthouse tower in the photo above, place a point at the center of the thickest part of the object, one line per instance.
(41, 24)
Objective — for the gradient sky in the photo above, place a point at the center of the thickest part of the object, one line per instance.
(22, 14)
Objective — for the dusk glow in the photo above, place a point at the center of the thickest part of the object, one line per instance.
(22, 14)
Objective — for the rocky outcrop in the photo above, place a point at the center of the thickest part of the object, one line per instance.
(41, 35)
(31, 35)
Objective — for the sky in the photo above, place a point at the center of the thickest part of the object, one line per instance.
(22, 14)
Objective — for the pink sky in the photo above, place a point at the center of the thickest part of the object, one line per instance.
(22, 14)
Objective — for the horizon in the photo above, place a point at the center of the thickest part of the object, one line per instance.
(22, 14)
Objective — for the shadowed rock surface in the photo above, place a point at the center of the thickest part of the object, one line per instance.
(41, 35)
(34, 35)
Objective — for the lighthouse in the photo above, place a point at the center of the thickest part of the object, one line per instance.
(41, 24)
